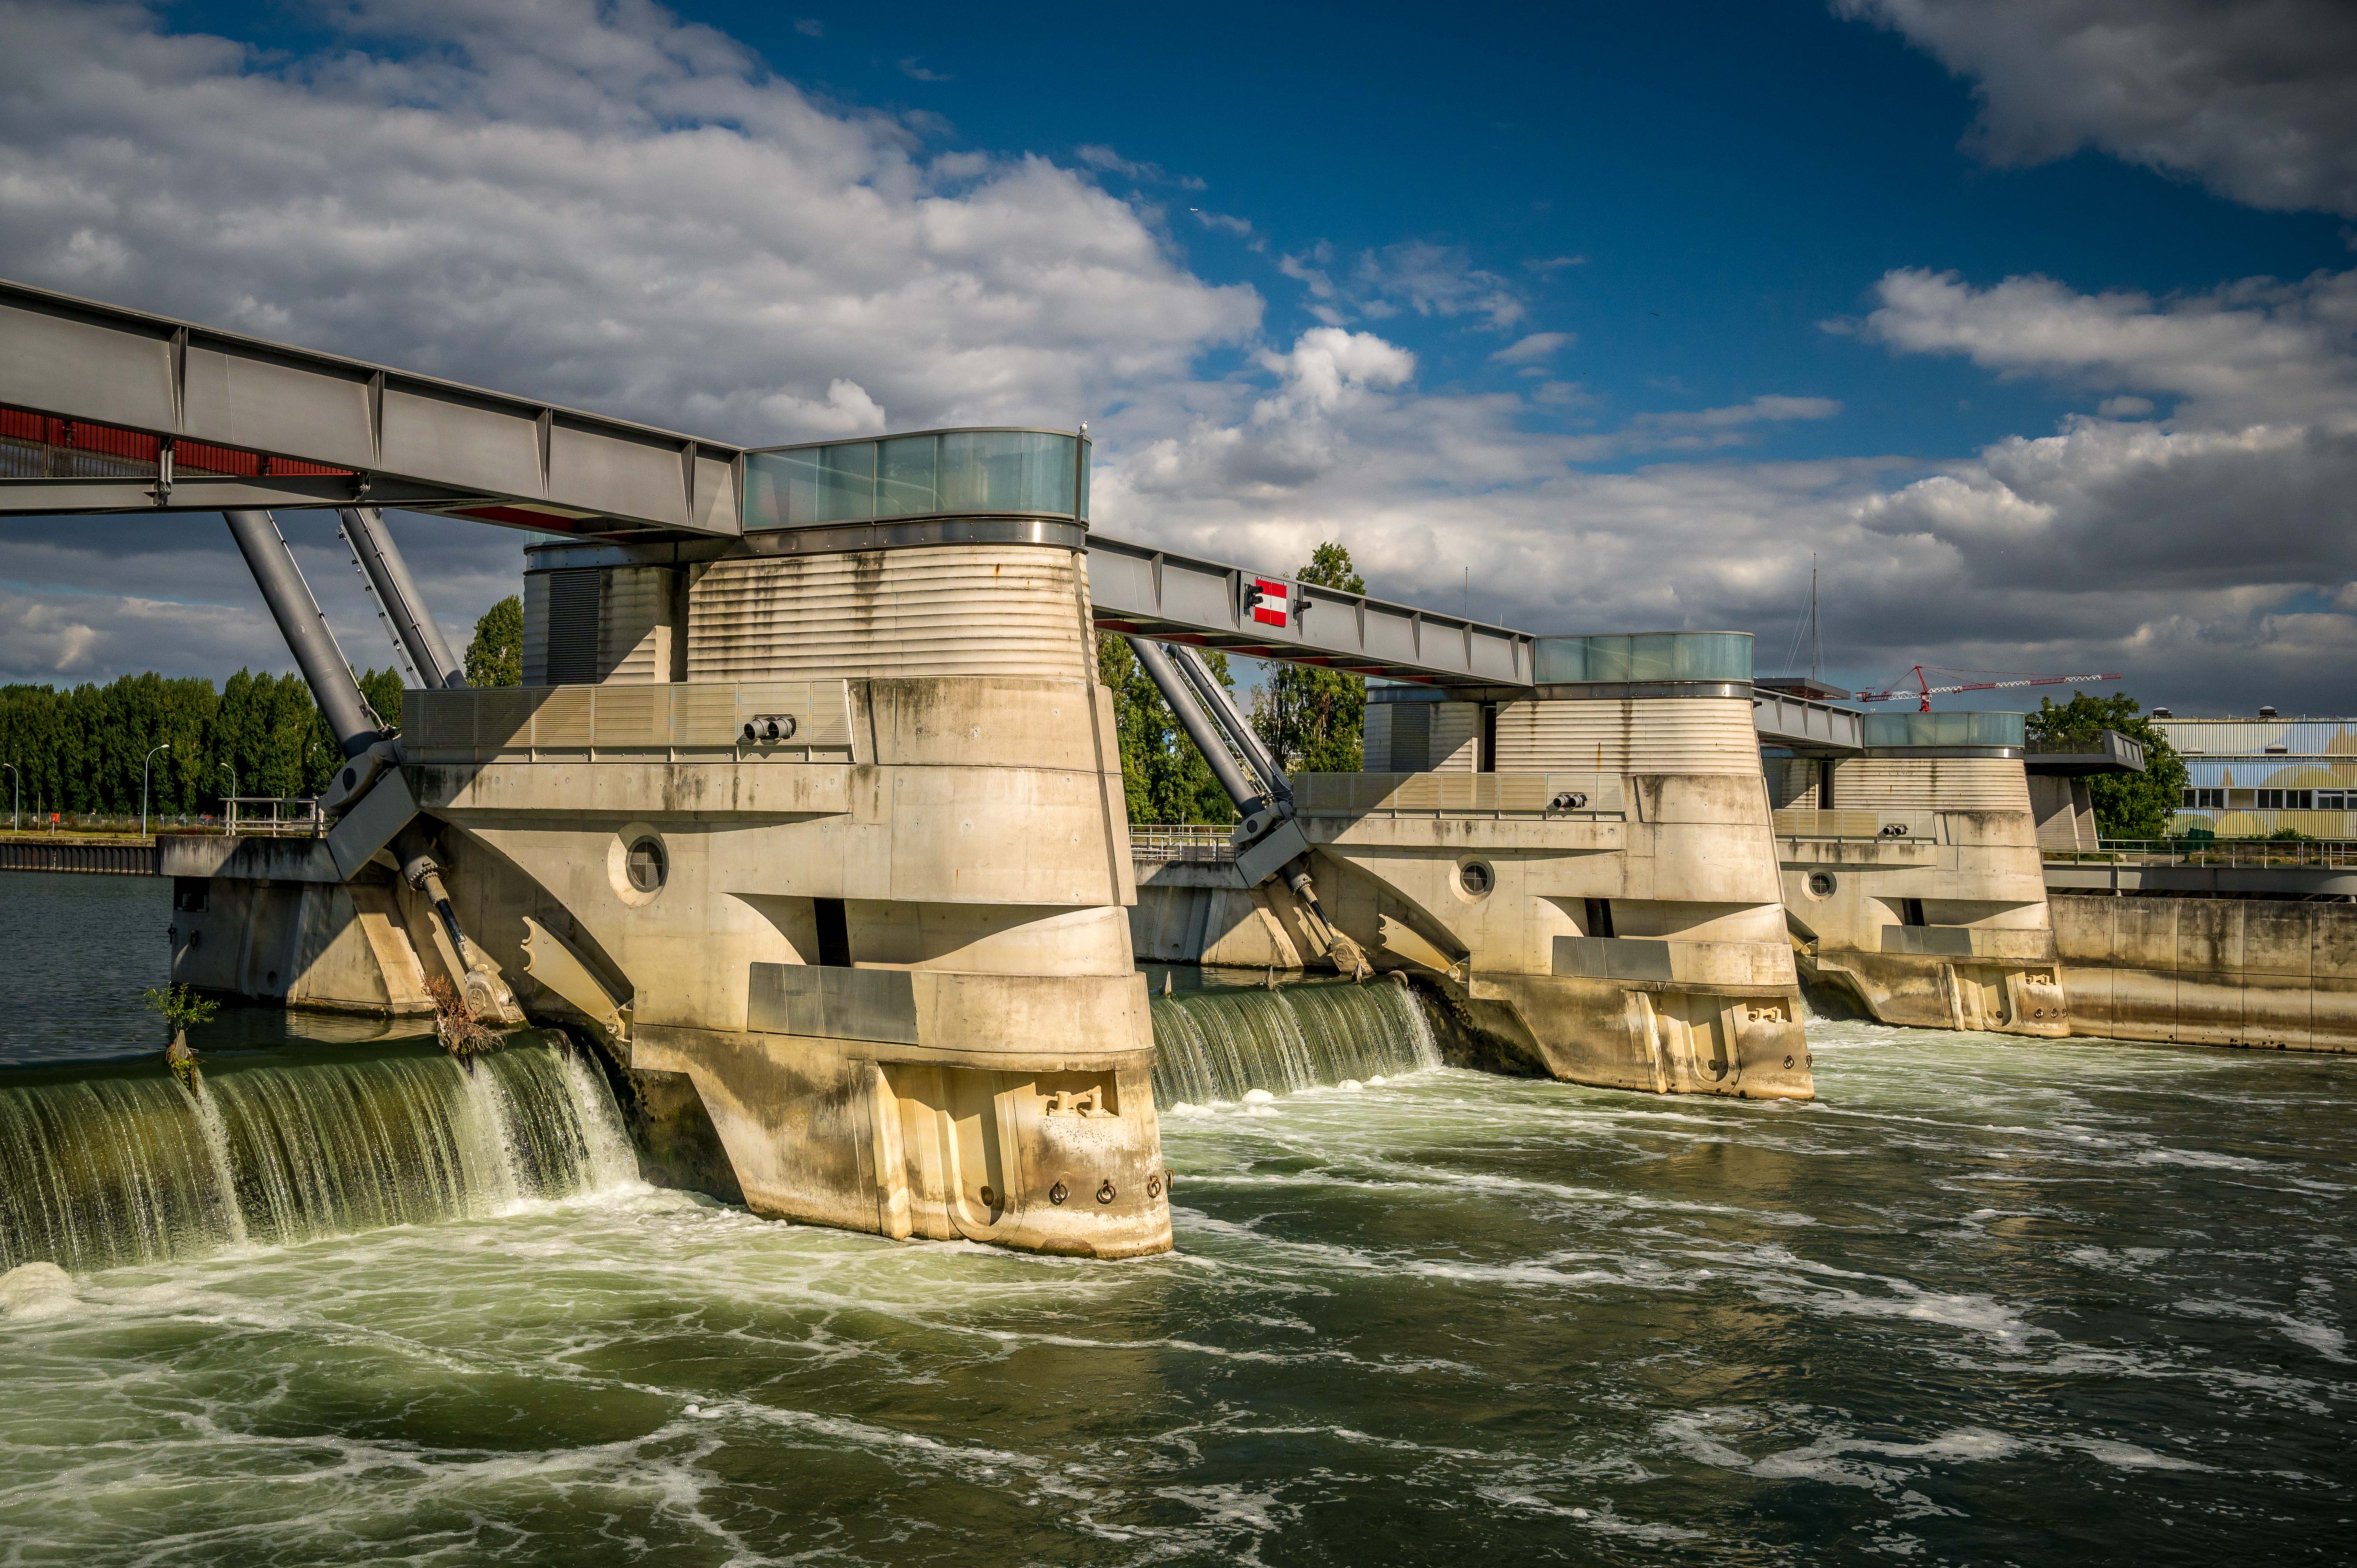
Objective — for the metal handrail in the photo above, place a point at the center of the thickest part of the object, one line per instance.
(1184, 841)
(2323, 853)
(307, 821)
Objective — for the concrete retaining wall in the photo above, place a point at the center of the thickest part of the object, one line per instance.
(133, 859)
(2219, 971)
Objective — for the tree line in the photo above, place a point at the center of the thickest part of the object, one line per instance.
(78, 751)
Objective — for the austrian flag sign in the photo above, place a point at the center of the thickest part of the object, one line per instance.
(1269, 601)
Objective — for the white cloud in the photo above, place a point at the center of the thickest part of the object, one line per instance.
(2185, 554)
(597, 204)
(1103, 158)
(603, 206)
(1428, 280)
(1433, 280)
(1722, 422)
(1531, 349)
(915, 72)
(2257, 99)
(1223, 222)
(2256, 350)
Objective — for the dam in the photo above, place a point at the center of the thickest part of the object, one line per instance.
(803, 871)
(807, 820)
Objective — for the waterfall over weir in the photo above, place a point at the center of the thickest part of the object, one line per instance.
(1219, 1044)
(113, 1168)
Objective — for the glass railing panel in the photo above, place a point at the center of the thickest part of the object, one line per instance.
(908, 476)
(1018, 471)
(843, 484)
(1008, 470)
(1969, 728)
(1646, 657)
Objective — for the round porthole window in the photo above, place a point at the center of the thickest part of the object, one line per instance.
(645, 867)
(1476, 879)
(1821, 885)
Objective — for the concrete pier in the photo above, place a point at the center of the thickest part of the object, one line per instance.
(1912, 880)
(820, 833)
(1586, 870)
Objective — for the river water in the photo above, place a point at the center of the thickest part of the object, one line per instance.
(1986, 1301)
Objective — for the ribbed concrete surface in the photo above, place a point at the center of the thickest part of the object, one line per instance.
(950, 610)
(1930, 783)
(1645, 734)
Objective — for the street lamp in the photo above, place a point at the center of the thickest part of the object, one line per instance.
(17, 809)
(143, 786)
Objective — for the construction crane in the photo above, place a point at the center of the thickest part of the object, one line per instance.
(1917, 683)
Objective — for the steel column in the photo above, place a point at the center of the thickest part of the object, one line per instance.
(304, 627)
(1176, 692)
(388, 573)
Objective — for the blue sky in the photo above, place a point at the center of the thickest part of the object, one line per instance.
(1627, 314)
(1728, 175)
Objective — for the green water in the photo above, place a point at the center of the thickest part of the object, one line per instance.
(1986, 1301)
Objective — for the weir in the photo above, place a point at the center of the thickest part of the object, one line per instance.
(105, 1167)
(1218, 1044)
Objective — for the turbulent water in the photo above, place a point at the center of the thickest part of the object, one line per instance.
(122, 1166)
(1986, 1301)
(1219, 1043)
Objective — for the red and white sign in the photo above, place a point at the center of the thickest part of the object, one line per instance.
(1271, 601)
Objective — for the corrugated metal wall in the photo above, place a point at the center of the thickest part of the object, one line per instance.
(1930, 783)
(570, 639)
(1455, 744)
(969, 609)
(1423, 737)
(1792, 782)
(2251, 737)
(1644, 734)
(535, 628)
(1376, 737)
(633, 626)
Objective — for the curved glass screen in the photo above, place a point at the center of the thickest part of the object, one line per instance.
(954, 471)
(1647, 656)
(1940, 729)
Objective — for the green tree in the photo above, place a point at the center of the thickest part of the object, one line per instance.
(495, 658)
(1163, 778)
(381, 688)
(1314, 720)
(2127, 805)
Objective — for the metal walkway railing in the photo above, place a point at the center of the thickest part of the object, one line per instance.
(2325, 854)
(1202, 845)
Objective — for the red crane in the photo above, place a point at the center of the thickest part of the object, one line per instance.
(1917, 683)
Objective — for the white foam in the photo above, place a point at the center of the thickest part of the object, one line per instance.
(31, 1292)
(1258, 1097)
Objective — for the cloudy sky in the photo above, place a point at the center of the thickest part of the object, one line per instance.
(2033, 323)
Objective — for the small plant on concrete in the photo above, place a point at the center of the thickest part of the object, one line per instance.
(182, 1009)
(454, 1025)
